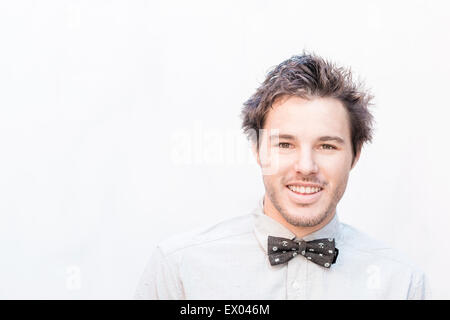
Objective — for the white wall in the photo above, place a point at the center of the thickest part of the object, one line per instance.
(93, 95)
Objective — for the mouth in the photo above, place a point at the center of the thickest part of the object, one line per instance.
(304, 195)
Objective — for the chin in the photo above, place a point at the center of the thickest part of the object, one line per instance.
(305, 216)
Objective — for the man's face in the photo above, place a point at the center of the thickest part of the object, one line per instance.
(313, 147)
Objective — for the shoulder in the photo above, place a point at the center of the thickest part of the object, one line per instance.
(368, 248)
(222, 231)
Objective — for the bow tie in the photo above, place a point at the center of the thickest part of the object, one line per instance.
(320, 251)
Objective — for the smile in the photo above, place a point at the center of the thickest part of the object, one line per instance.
(304, 190)
(304, 195)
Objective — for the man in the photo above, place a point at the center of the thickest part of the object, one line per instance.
(308, 122)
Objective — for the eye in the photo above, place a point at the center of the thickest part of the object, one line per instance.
(284, 145)
(328, 147)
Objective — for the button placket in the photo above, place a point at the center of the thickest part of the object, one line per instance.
(295, 279)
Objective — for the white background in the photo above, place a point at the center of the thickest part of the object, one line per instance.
(95, 95)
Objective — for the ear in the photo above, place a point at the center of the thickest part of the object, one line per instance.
(256, 152)
(356, 158)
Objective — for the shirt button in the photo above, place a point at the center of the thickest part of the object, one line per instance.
(296, 285)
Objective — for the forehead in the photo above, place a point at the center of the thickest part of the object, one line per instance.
(309, 118)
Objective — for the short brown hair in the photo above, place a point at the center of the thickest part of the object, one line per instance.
(308, 76)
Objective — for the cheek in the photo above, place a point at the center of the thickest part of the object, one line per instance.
(334, 170)
(286, 167)
(275, 165)
(285, 162)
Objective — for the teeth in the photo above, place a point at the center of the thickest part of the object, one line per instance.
(304, 190)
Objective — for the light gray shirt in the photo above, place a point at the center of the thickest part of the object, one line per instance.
(229, 261)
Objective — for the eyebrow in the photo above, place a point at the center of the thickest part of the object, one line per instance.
(323, 139)
(283, 136)
(332, 138)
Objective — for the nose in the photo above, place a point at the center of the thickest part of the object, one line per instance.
(305, 163)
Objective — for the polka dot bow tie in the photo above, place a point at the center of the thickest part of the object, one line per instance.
(320, 251)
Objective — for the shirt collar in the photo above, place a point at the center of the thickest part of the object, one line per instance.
(265, 226)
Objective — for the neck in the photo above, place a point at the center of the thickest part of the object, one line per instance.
(299, 231)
